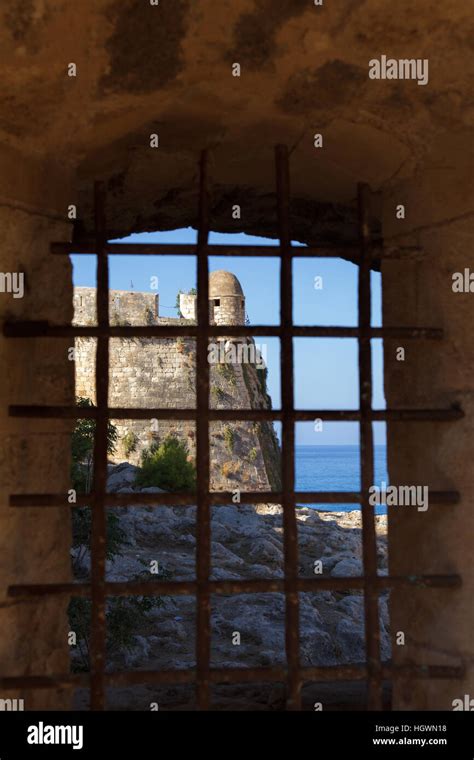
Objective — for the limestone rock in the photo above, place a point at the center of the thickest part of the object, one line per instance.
(247, 542)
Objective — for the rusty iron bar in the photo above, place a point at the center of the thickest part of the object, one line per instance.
(369, 537)
(290, 530)
(250, 586)
(356, 672)
(327, 250)
(43, 329)
(99, 517)
(297, 415)
(217, 498)
(203, 527)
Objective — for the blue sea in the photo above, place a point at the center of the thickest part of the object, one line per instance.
(336, 468)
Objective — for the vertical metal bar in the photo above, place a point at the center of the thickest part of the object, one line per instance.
(203, 528)
(369, 539)
(290, 531)
(99, 530)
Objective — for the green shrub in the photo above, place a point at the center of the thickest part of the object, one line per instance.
(82, 452)
(166, 465)
(82, 448)
(218, 393)
(227, 372)
(82, 530)
(125, 617)
(129, 443)
(252, 454)
(229, 437)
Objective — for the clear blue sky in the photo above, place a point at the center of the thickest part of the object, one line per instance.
(326, 374)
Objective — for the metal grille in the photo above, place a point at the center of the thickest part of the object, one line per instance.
(366, 251)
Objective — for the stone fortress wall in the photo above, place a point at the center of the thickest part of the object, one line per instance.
(125, 307)
(149, 372)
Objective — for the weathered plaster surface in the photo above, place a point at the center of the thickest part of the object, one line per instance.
(303, 70)
(34, 454)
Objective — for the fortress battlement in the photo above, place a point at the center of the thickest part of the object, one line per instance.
(130, 307)
(125, 307)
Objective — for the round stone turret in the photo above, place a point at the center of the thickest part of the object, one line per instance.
(226, 299)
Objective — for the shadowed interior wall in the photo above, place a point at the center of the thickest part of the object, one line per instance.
(439, 217)
(34, 454)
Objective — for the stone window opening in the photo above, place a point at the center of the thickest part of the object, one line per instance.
(293, 675)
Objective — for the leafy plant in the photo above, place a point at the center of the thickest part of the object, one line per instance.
(176, 305)
(252, 454)
(82, 532)
(166, 465)
(82, 448)
(124, 617)
(129, 443)
(229, 438)
(218, 393)
(82, 454)
(227, 372)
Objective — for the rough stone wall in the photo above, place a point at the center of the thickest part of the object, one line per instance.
(230, 311)
(162, 373)
(125, 307)
(34, 454)
(188, 306)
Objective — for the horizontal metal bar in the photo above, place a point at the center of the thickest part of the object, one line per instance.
(327, 674)
(252, 586)
(42, 329)
(216, 497)
(190, 249)
(188, 499)
(298, 415)
(327, 250)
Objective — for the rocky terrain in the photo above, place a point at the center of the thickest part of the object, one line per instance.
(247, 542)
